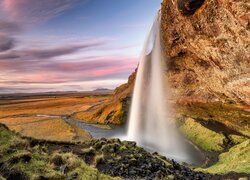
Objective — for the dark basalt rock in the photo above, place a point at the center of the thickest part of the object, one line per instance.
(132, 162)
(188, 7)
(15, 175)
(24, 158)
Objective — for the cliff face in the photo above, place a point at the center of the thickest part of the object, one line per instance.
(115, 110)
(207, 45)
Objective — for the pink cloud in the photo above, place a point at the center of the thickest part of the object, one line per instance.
(39, 77)
(116, 69)
(6, 43)
(36, 10)
(71, 71)
(99, 66)
(9, 27)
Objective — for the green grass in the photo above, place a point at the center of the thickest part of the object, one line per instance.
(228, 114)
(204, 138)
(5, 137)
(237, 159)
(39, 165)
(237, 139)
(77, 166)
(18, 156)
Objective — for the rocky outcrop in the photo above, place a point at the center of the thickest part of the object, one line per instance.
(113, 111)
(207, 48)
(111, 159)
(206, 44)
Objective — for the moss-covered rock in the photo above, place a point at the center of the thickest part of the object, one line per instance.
(206, 139)
(235, 160)
(94, 159)
(24, 159)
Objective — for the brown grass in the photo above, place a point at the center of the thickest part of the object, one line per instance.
(104, 114)
(80, 134)
(51, 106)
(21, 115)
(50, 129)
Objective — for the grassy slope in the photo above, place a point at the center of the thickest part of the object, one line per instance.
(113, 110)
(206, 139)
(110, 112)
(45, 128)
(38, 159)
(19, 159)
(232, 116)
(32, 159)
(237, 159)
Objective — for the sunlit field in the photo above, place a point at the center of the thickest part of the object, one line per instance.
(27, 115)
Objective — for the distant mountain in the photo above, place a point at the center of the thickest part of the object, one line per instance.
(101, 90)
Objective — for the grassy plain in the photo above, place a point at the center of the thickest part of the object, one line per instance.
(26, 114)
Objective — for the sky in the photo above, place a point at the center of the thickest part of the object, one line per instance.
(71, 45)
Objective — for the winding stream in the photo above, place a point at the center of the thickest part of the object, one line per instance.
(96, 132)
(196, 156)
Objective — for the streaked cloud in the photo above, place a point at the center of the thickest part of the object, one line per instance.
(9, 56)
(75, 86)
(59, 51)
(45, 45)
(9, 27)
(37, 54)
(6, 43)
(42, 72)
(36, 10)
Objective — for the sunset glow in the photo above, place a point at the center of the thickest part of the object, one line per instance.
(68, 45)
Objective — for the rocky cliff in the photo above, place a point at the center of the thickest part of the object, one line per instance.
(206, 44)
(207, 48)
(115, 110)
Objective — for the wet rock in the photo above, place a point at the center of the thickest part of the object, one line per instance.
(132, 172)
(103, 139)
(99, 144)
(116, 147)
(133, 144)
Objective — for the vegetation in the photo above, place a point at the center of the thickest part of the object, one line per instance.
(114, 110)
(236, 159)
(61, 105)
(22, 159)
(46, 128)
(206, 139)
(47, 158)
(237, 139)
(26, 115)
(107, 113)
(236, 118)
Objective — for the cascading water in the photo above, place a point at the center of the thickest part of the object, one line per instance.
(149, 123)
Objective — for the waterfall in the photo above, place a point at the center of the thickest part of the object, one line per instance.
(149, 123)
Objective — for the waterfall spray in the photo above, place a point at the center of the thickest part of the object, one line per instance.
(149, 123)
